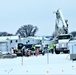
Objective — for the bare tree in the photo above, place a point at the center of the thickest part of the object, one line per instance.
(27, 30)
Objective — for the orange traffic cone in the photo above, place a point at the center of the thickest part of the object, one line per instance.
(37, 52)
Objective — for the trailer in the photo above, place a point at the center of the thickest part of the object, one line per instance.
(7, 43)
(72, 48)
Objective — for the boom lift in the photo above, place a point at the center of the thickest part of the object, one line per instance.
(61, 35)
(64, 28)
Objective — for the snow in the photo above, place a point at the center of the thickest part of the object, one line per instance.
(47, 64)
(8, 37)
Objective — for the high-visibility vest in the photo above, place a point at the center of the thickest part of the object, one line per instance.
(51, 46)
(19, 51)
(33, 47)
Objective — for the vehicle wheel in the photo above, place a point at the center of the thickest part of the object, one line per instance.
(57, 52)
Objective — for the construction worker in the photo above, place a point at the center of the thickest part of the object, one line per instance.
(52, 48)
(33, 47)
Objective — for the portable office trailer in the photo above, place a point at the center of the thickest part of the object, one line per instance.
(72, 48)
(7, 42)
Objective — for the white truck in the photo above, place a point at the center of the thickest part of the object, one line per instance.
(61, 36)
(62, 43)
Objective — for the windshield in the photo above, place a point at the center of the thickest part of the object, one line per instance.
(64, 37)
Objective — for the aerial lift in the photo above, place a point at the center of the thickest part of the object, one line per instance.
(61, 35)
(64, 28)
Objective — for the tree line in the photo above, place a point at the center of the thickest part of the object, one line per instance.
(23, 31)
(28, 30)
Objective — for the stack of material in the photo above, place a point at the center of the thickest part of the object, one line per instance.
(8, 55)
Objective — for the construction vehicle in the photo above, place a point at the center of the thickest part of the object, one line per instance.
(61, 36)
(64, 28)
(40, 49)
(24, 49)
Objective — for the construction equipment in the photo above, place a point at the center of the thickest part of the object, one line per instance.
(61, 36)
(64, 28)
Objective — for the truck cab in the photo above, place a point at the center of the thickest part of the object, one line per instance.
(62, 43)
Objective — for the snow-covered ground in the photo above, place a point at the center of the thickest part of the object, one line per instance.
(47, 64)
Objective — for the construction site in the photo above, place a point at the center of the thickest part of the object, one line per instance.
(62, 40)
(31, 53)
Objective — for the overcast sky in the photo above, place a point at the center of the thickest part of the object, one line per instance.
(16, 13)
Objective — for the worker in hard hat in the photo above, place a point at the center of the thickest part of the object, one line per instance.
(33, 49)
(52, 48)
